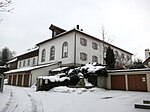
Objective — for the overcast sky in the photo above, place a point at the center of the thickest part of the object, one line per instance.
(126, 22)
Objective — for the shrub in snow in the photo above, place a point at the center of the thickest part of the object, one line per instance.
(74, 77)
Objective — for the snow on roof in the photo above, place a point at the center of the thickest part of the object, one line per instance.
(31, 50)
(92, 67)
(129, 70)
(13, 60)
(28, 68)
(59, 69)
(55, 78)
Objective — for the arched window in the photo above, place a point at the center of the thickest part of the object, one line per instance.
(20, 64)
(33, 61)
(28, 62)
(65, 50)
(43, 55)
(24, 63)
(52, 53)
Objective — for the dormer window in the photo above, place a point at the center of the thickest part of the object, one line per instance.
(56, 30)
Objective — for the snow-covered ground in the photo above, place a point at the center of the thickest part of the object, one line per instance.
(63, 99)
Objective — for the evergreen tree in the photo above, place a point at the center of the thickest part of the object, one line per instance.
(5, 55)
(110, 58)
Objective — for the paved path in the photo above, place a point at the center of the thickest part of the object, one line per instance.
(21, 101)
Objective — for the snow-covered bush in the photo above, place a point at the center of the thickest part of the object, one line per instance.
(81, 76)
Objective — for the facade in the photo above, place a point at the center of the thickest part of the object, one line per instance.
(131, 80)
(75, 47)
(20, 68)
(65, 48)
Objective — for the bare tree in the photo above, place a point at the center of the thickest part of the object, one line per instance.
(105, 39)
(4, 6)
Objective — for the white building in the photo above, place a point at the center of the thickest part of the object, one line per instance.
(74, 47)
(65, 48)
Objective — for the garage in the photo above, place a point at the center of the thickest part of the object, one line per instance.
(137, 82)
(26, 80)
(19, 80)
(9, 79)
(14, 79)
(118, 82)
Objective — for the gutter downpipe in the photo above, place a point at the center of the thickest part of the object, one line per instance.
(75, 49)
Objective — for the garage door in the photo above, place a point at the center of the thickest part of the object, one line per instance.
(9, 79)
(26, 80)
(137, 82)
(14, 79)
(118, 82)
(19, 80)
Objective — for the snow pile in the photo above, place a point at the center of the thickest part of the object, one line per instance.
(55, 78)
(64, 89)
(92, 67)
(87, 84)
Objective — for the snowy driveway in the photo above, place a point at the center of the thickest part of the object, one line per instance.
(62, 99)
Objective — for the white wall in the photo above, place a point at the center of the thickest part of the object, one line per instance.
(58, 42)
(70, 38)
(41, 72)
(26, 62)
(99, 52)
(88, 49)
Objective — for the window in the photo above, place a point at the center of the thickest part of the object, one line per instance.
(83, 42)
(83, 56)
(20, 64)
(116, 54)
(24, 63)
(52, 53)
(28, 62)
(33, 61)
(94, 45)
(43, 55)
(65, 50)
(128, 58)
(122, 56)
(94, 59)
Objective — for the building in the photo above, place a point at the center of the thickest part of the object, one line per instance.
(27, 69)
(147, 57)
(74, 47)
(129, 79)
(65, 48)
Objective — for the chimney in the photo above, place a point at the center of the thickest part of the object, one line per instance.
(78, 27)
(147, 53)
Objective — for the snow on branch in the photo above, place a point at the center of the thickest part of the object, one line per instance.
(4, 4)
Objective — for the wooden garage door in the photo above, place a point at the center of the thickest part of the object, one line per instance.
(19, 80)
(26, 80)
(137, 82)
(118, 82)
(14, 79)
(9, 79)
